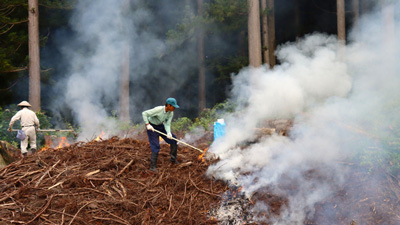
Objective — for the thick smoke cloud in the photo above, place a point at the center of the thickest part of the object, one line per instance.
(102, 31)
(338, 102)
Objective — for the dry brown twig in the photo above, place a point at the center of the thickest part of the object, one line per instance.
(41, 211)
(183, 200)
(45, 173)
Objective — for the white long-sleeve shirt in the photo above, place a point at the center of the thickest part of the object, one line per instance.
(27, 117)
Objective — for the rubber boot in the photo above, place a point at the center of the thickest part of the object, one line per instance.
(173, 154)
(32, 151)
(153, 162)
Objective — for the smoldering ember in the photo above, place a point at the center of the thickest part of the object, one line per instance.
(108, 182)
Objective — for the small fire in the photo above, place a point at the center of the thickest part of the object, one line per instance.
(55, 142)
(62, 143)
(201, 157)
(99, 138)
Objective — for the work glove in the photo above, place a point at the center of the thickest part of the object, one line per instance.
(169, 135)
(150, 127)
(9, 129)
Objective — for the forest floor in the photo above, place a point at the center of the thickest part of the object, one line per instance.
(108, 182)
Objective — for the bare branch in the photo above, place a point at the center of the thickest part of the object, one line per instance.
(7, 30)
(16, 70)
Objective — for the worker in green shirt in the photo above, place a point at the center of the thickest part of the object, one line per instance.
(159, 118)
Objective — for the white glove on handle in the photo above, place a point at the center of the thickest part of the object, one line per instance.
(169, 135)
(150, 127)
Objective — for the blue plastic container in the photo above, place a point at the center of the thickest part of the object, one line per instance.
(219, 129)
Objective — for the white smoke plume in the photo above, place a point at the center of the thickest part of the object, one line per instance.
(337, 102)
(103, 29)
(94, 58)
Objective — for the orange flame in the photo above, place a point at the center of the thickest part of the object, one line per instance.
(99, 138)
(201, 157)
(60, 142)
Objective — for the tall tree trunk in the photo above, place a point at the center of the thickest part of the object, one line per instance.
(254, 33)
(265, 47)
(356, 16)
(202, 69)
(271, 32)
(34, 55)
(124, 81)
(124, 86)
(341, 25)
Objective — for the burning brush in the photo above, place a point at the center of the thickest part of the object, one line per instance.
(54, 142)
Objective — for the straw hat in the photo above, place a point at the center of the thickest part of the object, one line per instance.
(24, 103)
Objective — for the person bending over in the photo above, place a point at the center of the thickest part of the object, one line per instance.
(159, 118)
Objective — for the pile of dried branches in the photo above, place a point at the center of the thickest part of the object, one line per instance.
(107, 182)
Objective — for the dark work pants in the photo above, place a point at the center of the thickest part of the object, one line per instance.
(154, 138)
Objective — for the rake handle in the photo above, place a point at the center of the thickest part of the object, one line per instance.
(179, 141)
(49, 130)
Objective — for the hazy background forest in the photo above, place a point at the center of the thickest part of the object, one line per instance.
(337, 86)
(81, 43)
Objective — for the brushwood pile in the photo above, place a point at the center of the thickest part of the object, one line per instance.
(108, 182)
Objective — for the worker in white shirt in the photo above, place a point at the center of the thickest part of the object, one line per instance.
(28, 121)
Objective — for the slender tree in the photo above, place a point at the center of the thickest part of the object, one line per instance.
(34, 55)
(356, 11)
(271, 32)
(254, 33)
(265, 38)
(200, 57)
(341, 26)
(124, 86)
(124, 81)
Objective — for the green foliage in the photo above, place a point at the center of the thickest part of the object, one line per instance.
(14, 55)
(226, 15)
(229, 15)
(13, 34)
(5, 117)
(221, 20)
(182, 124)
(183, 31)
(206, 119)
(225, 67)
